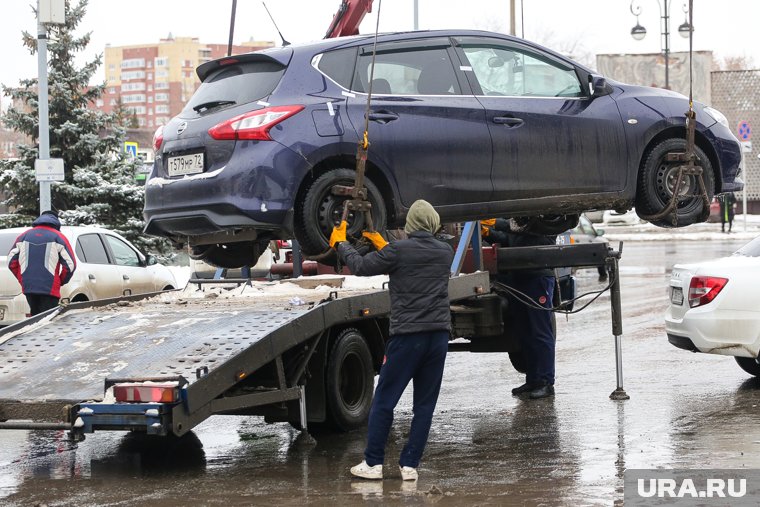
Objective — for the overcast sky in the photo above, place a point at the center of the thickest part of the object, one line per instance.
(581, 27)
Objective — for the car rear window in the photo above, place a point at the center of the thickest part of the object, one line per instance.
(6, 242)
(751, 249)
(237, 84)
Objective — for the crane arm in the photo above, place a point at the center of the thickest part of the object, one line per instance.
(348, 18)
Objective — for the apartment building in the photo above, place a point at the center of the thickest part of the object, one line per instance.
(154, 81)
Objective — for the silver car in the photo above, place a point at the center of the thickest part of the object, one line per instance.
(107, 266)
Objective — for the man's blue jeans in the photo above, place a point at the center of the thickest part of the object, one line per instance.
(418, 357)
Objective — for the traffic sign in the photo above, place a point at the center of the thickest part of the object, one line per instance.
(130, 148)
(49, 170)
(744, 130)
(746, 146)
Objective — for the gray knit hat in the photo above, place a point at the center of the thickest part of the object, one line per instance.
(422, 217)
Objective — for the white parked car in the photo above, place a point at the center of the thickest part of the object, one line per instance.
(715, 306)
(612, 217)
(107, 266)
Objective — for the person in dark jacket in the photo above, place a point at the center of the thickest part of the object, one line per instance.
(420, 325)
(42, 260)
(533, 326)
(727, 203)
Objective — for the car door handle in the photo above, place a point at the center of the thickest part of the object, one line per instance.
(509, 121)
(91, 277)
(382, 117)
(125, 277)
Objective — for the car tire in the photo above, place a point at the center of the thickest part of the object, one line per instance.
(549, 225)
(749, 365)
(349, 382)
(656, 183)
(320, 211)
(234, 255)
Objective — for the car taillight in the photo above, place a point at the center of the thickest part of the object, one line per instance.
(283, 243)
(147, 392)
(254, 125)
(158, 138)
(704, 289)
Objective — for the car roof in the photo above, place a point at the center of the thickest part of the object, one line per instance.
(70, 231)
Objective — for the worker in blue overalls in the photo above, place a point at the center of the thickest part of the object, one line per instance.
(533, 325)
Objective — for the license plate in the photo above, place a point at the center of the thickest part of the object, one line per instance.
(185, 164)
(676, 296)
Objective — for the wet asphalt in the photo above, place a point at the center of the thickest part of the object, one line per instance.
(485, 448)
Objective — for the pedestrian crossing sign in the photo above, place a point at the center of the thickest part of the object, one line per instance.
(130, 148)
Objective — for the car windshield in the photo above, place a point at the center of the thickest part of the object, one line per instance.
(236, 84)
(751, 249)
(6, 242)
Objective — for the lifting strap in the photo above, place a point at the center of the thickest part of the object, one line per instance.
(688, 166)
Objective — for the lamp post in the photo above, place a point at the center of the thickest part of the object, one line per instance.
(638, 32)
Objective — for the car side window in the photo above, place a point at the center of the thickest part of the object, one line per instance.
(418, 71)
(338, 65)
(514, 72)
(123, 253)
(90, 249)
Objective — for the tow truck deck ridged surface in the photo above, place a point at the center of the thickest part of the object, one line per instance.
(211, 342)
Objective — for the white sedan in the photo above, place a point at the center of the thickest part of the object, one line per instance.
(715, 307)
(107, 266)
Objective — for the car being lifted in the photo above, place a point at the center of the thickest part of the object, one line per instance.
(477, 123)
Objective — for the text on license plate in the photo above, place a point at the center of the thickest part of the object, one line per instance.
(185, 164)
(676, 295)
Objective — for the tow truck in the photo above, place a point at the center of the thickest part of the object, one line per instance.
(162, 363)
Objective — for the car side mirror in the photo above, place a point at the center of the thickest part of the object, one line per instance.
(598, 86)
(151, 260)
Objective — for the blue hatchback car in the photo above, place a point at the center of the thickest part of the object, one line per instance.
(477, 123)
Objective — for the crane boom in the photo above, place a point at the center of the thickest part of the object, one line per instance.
(348, 18)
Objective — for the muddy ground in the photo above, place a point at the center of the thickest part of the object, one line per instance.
(486, 447)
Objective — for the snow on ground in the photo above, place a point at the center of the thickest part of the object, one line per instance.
(698, 232)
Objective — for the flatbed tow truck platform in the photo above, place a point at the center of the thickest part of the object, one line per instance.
(163, 363)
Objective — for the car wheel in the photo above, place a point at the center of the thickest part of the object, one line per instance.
(549, 225)
(321, 210)
(749, 365)
(234, 255)
(350, 381)
(657, 180)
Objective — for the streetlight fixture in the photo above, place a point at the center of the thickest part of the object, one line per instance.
(638, 32)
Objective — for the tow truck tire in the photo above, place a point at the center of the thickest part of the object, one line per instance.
(349, 381)
(321, 210)
(656, 184)
(749, 365)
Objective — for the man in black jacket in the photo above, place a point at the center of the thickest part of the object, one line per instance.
(532, 325)
(420, 325)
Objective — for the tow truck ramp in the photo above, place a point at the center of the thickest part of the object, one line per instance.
(163, 363)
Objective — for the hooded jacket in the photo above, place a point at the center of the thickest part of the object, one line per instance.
(418, 268)
(42, 259)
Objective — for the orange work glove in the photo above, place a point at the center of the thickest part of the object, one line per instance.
(376, 239)
(484, 231)
(338, 234)
(488, 222)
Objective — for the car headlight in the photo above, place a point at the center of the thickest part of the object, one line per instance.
(716, 115)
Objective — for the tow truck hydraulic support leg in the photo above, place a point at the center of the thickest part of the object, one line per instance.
(617, 329)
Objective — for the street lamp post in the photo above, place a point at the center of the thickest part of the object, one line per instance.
(638, 32)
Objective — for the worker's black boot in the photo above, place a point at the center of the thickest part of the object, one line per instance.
(542, 392)
(524, 389)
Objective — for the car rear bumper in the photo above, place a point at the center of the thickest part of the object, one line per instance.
(240, 195)
(729, 333)
(13, 309)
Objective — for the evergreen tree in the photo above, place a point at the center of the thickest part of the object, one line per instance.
(99, 186)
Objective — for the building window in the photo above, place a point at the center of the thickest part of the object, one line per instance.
(132, 87)
(133, 63)
(162, 61)
(162, 108)
(150, 64)
(161, 86)
(136, 109)
(112, 102)
(150, 100)
(162, 73)
(111, 90)
(150, 111)
(150, 76)
(99, 103)
(162, 97)
(111, 66)
(131, 99)
(133, 74)
(150, 87)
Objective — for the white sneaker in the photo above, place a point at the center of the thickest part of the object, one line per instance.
(408, 473)
(365, 471)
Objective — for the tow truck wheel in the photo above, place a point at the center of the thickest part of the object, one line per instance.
(350, 381)
(321, 210)
(749, 365)
(657, 181)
